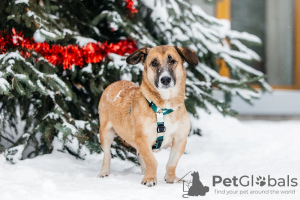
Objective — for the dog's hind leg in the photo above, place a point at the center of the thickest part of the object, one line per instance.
(107, 135)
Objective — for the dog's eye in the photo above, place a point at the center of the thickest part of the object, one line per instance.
(154, 63)
(172, 62)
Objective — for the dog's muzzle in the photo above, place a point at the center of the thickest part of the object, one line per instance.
(165, 80)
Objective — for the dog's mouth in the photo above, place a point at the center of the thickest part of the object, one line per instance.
(165, 87)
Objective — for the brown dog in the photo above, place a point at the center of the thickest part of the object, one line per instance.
(125, 109)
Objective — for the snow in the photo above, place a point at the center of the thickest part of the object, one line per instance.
(113, 26)
(243, 48)
(21, 1)
(81, 124)
(118, 96)
(88, 69)
(31, 13)
(234, 63)
(70, 126)
(48, 33)
(15, 154)
(40, 85)
(11, 55)
(21, 76)
(51, 115)
(175, 7)
(126, 76)
(244, 36)
(228, 148)
(118, 61)
(198, 11)
(142, 38)
(96, 30)
(247, 94)
(63, 86)
(214, 74)
(178, 34)
(83, 41)
(4, 85)
(68, 31)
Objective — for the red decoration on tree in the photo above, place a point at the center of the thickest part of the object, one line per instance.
(130, 6)
(68, 55)
(4, 40)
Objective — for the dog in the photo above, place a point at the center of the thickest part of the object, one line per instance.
(197, 187)
(128, 110)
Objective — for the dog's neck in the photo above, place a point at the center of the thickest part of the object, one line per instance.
(164, 98)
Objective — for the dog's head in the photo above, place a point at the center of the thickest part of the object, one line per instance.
(163, 65)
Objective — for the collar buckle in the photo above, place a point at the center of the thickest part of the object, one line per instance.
(161, 128)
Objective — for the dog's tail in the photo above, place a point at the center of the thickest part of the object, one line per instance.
(206, 189)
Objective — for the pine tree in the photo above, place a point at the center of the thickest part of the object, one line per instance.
(59, 107)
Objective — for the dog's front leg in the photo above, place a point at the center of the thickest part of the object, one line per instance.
(151, 164)
(178, 147)
(142, 163)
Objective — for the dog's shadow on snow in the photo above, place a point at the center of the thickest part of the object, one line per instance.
(131, 170)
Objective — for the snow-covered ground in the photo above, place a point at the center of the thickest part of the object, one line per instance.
(228, 148)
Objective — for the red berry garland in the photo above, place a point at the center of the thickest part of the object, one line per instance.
(66, 56)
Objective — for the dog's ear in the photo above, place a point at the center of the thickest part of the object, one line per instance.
(188, 55)
(137, 56)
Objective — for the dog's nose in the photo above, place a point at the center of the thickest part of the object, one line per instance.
(165, 80)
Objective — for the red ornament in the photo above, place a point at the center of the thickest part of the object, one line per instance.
(68, 55)
(131, 7)
(4, 40)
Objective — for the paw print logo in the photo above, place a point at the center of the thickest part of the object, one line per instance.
(261, 181)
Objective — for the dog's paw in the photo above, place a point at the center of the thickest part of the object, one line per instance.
(149, 181)
(103, 174)
(171, 179)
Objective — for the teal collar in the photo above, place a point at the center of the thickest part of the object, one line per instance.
(160, 112)
(165, 111)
